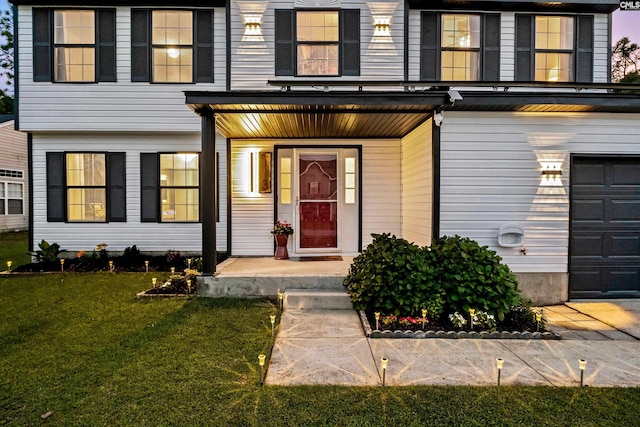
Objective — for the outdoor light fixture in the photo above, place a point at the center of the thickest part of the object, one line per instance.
(261, 359)
(499, 363)
(377, 316)
(110, 265)
(273, 324)
(154, 281)
(280, 299)
(189, 263)
(61, 264)
(252, 26)
(538, 319)
(583, 365)
(424, 315)
(383, 363)
(146, 266)
(382, 27)
(472, 313)
(9, 263)
(188, 286)
(173, 270)
(438, 117)
(551, 173)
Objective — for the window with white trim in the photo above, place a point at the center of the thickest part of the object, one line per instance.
(11, 198)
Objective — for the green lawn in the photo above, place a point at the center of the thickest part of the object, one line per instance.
(82, 346)
(14, 247)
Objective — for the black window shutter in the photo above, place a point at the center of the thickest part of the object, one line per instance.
(491, 47)
(350, 39)
(285, 43)
(116, 190)
(204, 46)
(584, 49)
(429, 46)
(55, 187)
(524, 48)
(149, 182)
(140, 45)
(106, 45)
(42, 45)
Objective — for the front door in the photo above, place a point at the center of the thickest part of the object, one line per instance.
(317, 201)
(318, 192)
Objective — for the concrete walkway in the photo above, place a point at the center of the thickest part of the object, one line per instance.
(329, 347)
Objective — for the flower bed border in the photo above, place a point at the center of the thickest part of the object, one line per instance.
(144, 294)
(376, 333)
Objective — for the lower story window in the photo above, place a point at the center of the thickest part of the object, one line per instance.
(11, 198)
(86, 187)
(180, 187)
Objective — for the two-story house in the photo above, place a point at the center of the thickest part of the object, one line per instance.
(195, 125)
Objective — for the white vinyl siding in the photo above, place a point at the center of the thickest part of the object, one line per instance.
(417, 185)
(491, 173)
(252, 57)
(15, 158)
(253, 213)
(121, 105)
(119, 235)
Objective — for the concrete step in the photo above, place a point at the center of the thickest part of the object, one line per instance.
(317, 299)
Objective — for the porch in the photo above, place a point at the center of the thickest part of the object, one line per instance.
(265, 276)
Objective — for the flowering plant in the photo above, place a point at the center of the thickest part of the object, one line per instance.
(485, 320)
(406, 322)
(457, 320)
(282, 228)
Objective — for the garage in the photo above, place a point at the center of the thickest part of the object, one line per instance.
(605, 227)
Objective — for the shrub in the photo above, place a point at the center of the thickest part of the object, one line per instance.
(395, 277)
(48, 252)
(473, 276)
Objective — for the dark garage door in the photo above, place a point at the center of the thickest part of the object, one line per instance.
(605, 228)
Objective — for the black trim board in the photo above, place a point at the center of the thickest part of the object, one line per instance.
(435, 167)
(30, 185)
(606, 6)
(116, 3)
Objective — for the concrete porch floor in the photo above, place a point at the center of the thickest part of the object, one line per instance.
(268, 266)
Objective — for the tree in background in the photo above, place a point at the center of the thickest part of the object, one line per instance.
(625, 62)
(6, 60)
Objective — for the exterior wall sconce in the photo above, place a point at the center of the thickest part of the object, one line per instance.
(382, 27)
(438, 117)
(252, 26)
(551, 174)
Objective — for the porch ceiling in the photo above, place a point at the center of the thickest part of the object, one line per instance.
(375, 114)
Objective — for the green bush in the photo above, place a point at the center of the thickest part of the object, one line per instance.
(48, 252)
(395, 277)
(474, 277)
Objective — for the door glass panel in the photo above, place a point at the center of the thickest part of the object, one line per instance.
(318, 201)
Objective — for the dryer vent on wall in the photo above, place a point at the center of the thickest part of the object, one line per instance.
(511, 236)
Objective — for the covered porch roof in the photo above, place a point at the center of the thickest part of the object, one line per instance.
(345, 110)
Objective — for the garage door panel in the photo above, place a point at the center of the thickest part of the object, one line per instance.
(624, 246)
(625, 174)
(625, 210)
(605, 228)
(588, 210)
(589, 174)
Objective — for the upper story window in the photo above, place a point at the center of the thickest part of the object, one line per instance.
(172, 46)
(74, 45)
(11, 198)
(74, 39)
(86, 187)
(172, 41)
(554, 48)
(456, 46)
(317, 43)
(460, 41)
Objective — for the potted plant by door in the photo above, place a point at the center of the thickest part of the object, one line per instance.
(281, 231)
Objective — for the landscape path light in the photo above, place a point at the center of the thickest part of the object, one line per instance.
(499, 363)
(377, 316)
(280, 299)
(273, 324)
(61, 264)
(9, 263)
(582, 363)
(188, 286)
(538, 319)
(383, 363)
(110, 265)
(154, 281)
(424, 316)
(173, 270)
(146, 266)
(261, 359)
(472, 313)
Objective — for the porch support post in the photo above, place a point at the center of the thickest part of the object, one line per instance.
(208, 187)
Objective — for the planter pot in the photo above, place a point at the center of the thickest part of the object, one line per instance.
(281, 246)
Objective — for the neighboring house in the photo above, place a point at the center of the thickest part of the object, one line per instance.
(14, 177)
(195, 125)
